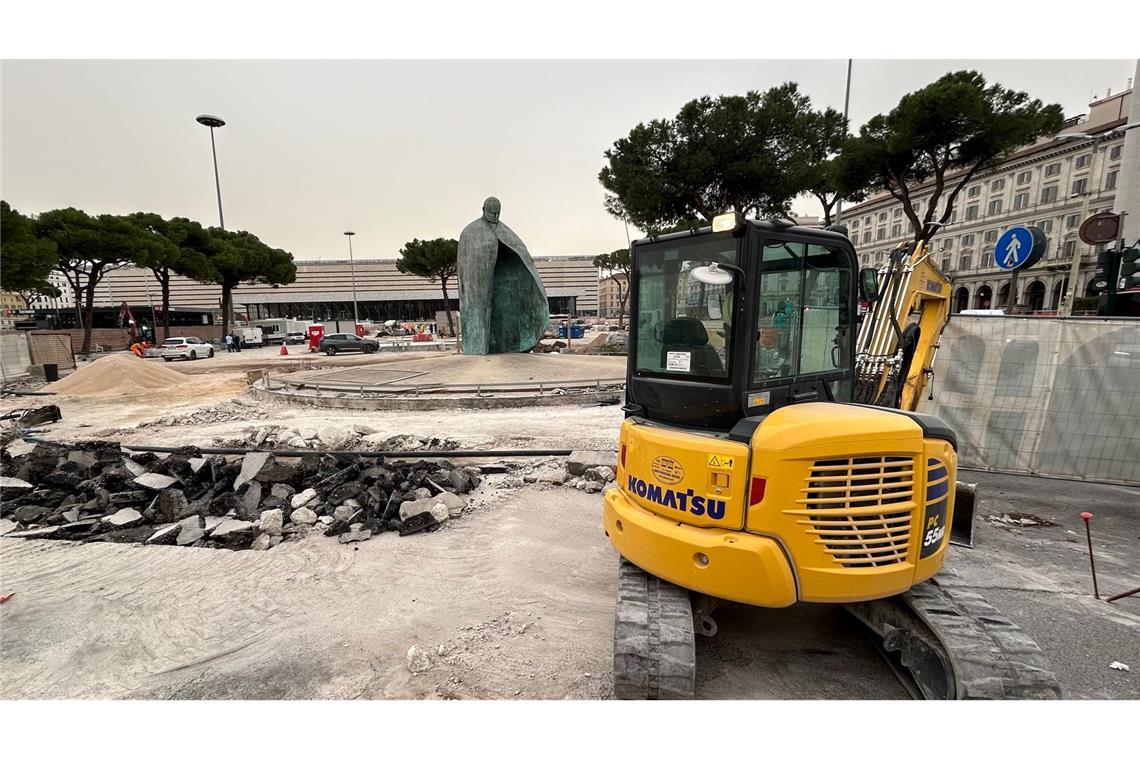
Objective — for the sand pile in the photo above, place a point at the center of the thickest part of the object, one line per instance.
(117, 374)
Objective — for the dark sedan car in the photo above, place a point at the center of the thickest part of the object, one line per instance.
(338, 342)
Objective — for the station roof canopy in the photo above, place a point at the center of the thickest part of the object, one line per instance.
(345, 296)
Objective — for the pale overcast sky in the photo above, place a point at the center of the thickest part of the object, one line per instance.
(396, 150)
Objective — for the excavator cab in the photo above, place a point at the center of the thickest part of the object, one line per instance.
(737, 323)
(746, 472)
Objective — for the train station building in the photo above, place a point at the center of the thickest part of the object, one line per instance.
(323, 291)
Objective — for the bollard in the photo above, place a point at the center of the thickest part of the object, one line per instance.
(1087, 517)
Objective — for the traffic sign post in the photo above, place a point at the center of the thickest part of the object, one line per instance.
(1019, 248)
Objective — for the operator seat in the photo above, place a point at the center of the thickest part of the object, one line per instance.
(688, 334)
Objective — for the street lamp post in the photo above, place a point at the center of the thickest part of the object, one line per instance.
(846, 103)
(352, 275)
(213, 122)
(1070, 295)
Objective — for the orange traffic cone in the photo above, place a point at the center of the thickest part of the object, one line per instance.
(284, 350)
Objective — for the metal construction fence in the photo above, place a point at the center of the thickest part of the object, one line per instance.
(1042, 396)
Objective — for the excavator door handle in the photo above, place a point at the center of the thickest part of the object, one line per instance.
(799, 398)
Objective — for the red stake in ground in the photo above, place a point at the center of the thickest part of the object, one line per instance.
(1087, 517)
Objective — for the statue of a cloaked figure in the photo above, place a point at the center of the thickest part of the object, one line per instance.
(501, 298)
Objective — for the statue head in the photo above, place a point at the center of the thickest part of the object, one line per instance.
(491, 209)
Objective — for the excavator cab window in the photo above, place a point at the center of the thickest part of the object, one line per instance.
(684, 325)
(803, 319)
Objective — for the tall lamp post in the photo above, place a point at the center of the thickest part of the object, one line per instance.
(352, 274)
(846, 103)
(213, 122)
(1074, 270)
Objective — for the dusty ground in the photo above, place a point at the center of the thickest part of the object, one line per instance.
(514, 600)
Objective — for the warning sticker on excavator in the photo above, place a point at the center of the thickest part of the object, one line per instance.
(720, 461)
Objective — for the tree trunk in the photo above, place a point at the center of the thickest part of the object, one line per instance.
(623, 297)
(447, 306)
(227, 296)
(164, 282)
(78, 293)
(88, 309)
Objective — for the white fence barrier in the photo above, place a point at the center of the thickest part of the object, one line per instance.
(14, 357)
(1042, 396)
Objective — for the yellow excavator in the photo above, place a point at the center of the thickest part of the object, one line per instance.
(771, 455)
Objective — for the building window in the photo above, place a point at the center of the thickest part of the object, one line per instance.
(1049, 194)
(866, 220)
(1110, 179)
(881, 233)
(991, 236)
(1114, 152)
(945, 264)
(1070, 247)
(1023, 178)
(995, 207)
(879, 257)
(1083, 161)
(855, 224)
(974, 191)
(867, 236)
(964, 262)
(971, 213)
(997, 184)
(883, 216)
(1071, 221)
(898, 213)
(967, 240)
(1046, 225)
(953, 217)
(1080, 186)
(1052, 170)
(1020, 201)
(896, 230)
(949, 243)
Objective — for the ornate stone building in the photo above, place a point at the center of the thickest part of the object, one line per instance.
(1044, 185)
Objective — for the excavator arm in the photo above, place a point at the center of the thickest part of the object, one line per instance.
(898, 343)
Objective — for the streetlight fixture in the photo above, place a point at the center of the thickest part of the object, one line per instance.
(1075, 268)
(352, 270)
(214, 122)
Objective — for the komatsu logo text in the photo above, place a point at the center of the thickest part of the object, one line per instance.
(685, 501)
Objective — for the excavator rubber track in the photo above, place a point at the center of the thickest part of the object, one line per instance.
(655, 654)
(949, 641)
(955, 645)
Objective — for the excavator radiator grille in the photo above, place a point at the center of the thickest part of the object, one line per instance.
(860, 509)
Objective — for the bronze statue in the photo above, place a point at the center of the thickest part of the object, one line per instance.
(501, 298)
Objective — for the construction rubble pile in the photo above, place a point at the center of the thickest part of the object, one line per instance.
(589, 471)
(355, 437)
(99, 492)
(234, 410)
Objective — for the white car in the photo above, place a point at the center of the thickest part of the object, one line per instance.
(185, 348)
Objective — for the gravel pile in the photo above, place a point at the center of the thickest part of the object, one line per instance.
(117, 375)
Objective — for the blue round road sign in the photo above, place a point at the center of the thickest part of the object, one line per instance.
(1019, 248)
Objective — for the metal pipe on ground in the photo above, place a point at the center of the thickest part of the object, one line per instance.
(425, 454)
